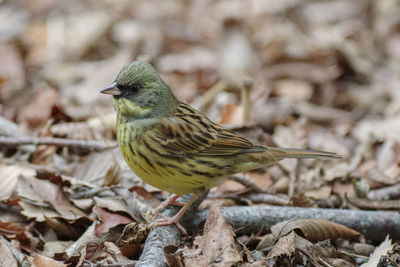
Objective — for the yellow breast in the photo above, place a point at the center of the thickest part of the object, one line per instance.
(166, 173)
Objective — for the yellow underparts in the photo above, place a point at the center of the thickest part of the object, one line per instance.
(169, 174)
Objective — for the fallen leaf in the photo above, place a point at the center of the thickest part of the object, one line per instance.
(51, 248)
(383, 249)
(314, 229)
(103, 253)
(130, 239)
(45, 194)
(216, 245)
(9, 178)
(6, 256)
(295, 90)
(43, 261)
(108, 220)
(320, 193)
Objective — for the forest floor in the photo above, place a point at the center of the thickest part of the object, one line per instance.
(321, 75)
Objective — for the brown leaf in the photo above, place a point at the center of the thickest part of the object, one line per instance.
(9, 178)
(45, 194)
(95, 167)
(314, 229)
(62, 228)
(6, 256)
(109, 220)
(216, 245)
(232, 115)
(303, 201)
(103, 253)
(320, 193)
(12, 231)
(52, 248)
(130, 239)
(383, 249)
(287, 245)
(172, 255)
(41, 108)
(52, 177)
(43, 261)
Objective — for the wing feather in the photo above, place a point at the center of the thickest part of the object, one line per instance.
(188, 132)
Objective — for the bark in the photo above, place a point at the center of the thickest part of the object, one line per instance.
(162, 236)
(374, 225)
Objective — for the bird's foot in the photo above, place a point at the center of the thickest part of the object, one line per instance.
(171, 200)
(176, 218)
(169, 221)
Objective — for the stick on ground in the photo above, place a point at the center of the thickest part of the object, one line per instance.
(90, 145)
(162, 236)
(374, 225)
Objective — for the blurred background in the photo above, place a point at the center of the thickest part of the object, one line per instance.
(317, 74)
(295, 73)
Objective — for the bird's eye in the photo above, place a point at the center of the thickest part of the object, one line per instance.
(129, 89)
(134, 89)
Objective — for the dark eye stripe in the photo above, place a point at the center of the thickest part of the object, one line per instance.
(129, 89)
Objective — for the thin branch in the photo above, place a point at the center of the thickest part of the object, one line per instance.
(90, 145)
(374, 225)
(18, 255)
(269, 199)
(162, 236)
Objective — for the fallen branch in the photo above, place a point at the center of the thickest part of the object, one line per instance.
(90, 145)
(162, 236)
(265, 198)
(385, 193)
(374, 225)
(18, 255)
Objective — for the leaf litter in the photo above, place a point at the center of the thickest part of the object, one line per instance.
(304, 74)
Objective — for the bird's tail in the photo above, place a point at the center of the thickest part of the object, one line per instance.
(281, 153)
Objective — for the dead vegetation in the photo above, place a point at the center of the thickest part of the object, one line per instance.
(306, 74)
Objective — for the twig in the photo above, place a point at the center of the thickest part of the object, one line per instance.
(90, 145)
(245, 99)
(293, 178)
(389, 192)
(309, 257)
(374, 225)
(247, 182)
(162, 236)
(369, 204)
(18, 255)
(269, 199)
(301, 135)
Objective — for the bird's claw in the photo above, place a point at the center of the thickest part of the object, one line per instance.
(168, 221)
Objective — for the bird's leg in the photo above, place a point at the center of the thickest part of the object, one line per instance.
(175, 219)
(171, 200)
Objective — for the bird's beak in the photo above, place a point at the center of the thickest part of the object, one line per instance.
(111, 90)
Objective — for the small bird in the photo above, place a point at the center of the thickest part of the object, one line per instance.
(175, 148)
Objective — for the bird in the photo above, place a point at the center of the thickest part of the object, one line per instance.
(174, 147)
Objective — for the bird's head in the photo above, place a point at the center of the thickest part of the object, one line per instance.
(139, 92)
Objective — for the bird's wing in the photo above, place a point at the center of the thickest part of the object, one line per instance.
(188, 132)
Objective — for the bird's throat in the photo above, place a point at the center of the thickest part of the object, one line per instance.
(127, 109)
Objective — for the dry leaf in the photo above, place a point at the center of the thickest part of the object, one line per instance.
(314, 229)
(216, 245)
(45, 194)
(6, 256)
(108, 220)
(43, 261)
(9, 178)
(383, 249)
(131, 238)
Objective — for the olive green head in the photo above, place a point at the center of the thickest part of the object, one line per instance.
(139, 92)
